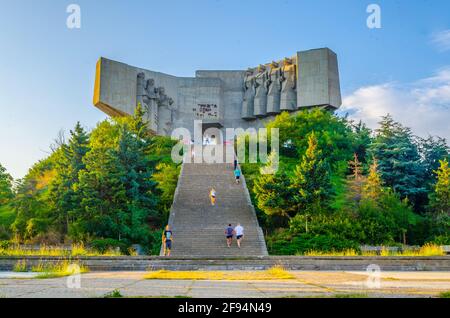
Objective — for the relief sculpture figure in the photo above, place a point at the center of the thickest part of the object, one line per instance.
(274, 93)
(249, 96)
(165, 111)
(261, 85)
(151, 105)
(288, 100)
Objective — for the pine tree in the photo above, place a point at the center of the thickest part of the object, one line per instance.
(119, 194)
(432, 150)
(372, 188)
(399, 162)
(65, 199)
(361, 140)
(311, 180)
(355, 181)
(273, 192)
(6, 183)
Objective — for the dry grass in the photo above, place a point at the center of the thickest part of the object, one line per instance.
(347, 252)
(274, 273)
(426, 250)
(44, 250)
(20, 266)
(60, 269)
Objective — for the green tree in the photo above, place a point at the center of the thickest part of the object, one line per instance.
(372, 188)
(432, 150)
(334, 134)
(62, 192)
(399, 162)
(6, 184)
(273, 192)
(355, 182)
(311, 180)
(166, 176)
(33, 210)
(361, 140)
(440, 199)
(118, 192)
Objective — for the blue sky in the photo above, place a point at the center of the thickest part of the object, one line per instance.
(47, 70)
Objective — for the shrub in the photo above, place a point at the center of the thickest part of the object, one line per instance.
(4, 245)
(441, 240)
(154, 242)
(114, 294)
(105, 245)
(303, 243)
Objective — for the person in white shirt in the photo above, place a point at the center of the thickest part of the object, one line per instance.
(239, 230)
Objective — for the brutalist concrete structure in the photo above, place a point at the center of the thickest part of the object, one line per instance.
(220, 98)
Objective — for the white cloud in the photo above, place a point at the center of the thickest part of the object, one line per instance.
(423, 105)
(442, 40)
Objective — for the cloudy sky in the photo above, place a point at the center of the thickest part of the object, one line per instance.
(47, 70)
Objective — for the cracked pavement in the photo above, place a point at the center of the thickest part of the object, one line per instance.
(306, 284)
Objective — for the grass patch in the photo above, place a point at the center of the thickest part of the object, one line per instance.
(114, 294)
(445, 294)
(347, 252)
(274, 273)
(20, 266)
(44, 250)
(424, 251)
(60, 269)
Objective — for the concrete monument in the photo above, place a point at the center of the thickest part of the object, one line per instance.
(220, 99)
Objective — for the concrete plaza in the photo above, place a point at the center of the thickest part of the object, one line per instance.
(306, 284)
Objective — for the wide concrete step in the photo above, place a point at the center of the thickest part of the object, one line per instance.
(198, 227)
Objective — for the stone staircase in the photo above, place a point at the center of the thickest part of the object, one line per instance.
(198, 227)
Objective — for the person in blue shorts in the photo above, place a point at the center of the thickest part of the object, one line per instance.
(239, 231)
(167, 240)
(229, 231)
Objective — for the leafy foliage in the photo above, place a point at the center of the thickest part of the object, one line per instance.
(101, 187)
(6, 183)
(340, 183)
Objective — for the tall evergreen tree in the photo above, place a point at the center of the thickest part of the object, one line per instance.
(311, 180)
(399, 162)
(62, 192)
(273, 192)
(355, 181)
(372, 188)
(361, 140)
(432, 150)
(119, 194)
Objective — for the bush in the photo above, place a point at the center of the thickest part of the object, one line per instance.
(441, 240)
(103, 245)
(303, 243)
(154, 242)
(4, 245)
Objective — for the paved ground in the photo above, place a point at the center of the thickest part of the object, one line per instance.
(306, 284)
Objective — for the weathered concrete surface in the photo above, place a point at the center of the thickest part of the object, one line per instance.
(316, 83)
(192, 209)
(140, 263)
(306, 284)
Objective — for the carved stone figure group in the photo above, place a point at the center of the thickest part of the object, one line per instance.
(269, 89)
(155, 102)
